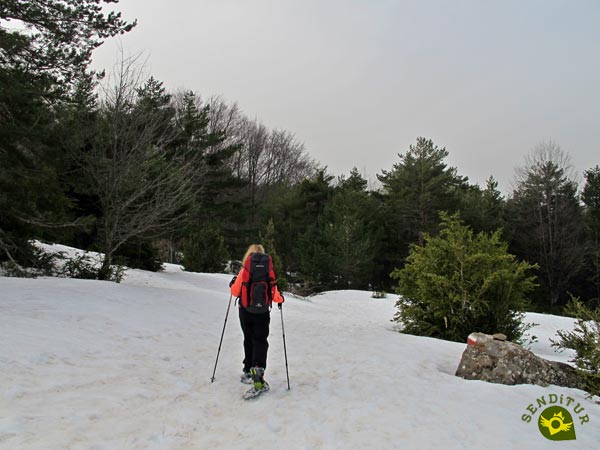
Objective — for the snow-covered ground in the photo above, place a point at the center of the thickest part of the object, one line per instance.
(98, 365)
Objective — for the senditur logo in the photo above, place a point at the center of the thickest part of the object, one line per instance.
(555, 421)
(556, 424)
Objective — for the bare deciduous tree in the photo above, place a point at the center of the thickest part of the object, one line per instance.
(143, 190)
(269, 157)
(265, 157)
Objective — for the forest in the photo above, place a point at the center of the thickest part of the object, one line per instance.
(120, 164)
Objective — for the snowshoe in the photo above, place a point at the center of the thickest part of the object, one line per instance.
(257, 389)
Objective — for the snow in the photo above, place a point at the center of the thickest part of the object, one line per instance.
(96, 365)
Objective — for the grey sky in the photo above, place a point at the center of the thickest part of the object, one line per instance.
(358, 81)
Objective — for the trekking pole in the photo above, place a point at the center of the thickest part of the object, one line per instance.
(287, 374)
(212, 379)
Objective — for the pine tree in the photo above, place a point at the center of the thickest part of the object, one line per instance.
(482, 209)
(205, 251)
(414, 192)
(56, 46)
(345, 239)
(294, 210)
(299, 226)
(590, 196)
(43, 69)
(217, 199)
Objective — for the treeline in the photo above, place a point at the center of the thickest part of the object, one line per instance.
(351, 237)
(116, 163)
(143, 175)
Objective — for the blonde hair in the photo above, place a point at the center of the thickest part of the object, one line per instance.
(254, 248)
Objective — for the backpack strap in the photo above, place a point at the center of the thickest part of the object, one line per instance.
(245, 281)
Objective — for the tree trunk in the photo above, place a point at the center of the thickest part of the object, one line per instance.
(104, 273)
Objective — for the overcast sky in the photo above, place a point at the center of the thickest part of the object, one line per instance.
(359, 80)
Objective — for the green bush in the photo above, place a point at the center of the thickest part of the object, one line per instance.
(585, 341)
(83, 267)
(80, 267)
(459, 282)
(205, 251)
(31, 261)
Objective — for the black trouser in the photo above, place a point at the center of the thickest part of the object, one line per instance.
(256, 331)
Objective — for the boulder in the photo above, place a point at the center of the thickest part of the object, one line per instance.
(501, 361)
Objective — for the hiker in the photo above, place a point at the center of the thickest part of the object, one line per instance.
(255, 288)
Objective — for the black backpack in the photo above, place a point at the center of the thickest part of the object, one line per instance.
(259, 286)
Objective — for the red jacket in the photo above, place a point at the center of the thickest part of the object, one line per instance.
(243, 277)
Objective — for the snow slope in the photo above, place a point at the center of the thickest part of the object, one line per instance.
(98, 365)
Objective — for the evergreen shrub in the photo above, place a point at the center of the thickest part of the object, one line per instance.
(205, 251)
(585, 341)
(460, 282)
